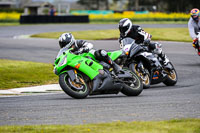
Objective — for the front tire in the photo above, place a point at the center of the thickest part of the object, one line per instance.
(132, 88)
(171, 78)
(145, 78)
(74, 89)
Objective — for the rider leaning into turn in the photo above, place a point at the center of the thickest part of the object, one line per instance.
(67, 40)
(194, 27)
(127, 29)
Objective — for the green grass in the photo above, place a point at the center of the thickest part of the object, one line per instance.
(171, 126)
(170, 34)
(9, 24)
(87, 35)
(14, 74)
(167, 34)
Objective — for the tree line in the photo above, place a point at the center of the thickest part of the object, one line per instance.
(138, 5)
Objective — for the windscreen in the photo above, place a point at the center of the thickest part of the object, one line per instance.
(64, 49)
(127, 41)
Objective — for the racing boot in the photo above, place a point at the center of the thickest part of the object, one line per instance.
(198, 50)
(165, 62)
(164, 58)
(116, 68)
(102, 54)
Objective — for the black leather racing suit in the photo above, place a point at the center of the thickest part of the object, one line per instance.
(138, 34)
(142, 37)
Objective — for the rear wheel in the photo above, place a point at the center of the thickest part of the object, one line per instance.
(132, 86)
(171, 78)
(76, 89)
(144, 77)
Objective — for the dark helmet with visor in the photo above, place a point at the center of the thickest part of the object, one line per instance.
(125, 26)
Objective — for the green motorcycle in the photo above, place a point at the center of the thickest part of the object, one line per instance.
(80, 75)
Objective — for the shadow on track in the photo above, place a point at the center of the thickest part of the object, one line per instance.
(96, 97)
(192, 65)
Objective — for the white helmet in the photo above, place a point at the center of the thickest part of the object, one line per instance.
(66, 40)
(125, 25)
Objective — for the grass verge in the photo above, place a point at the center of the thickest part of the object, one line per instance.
(171, 126)
(14, 74)
(9, 24)
(167, 34)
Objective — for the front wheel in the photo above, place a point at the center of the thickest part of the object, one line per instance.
(133, 86)
(76, 89)
(171, 78)
(144, 77)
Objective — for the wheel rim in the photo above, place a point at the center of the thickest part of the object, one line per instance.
(145, 78)
(76, 87)
(171, 74)
(133, 84)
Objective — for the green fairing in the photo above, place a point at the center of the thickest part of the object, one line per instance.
(73, 60)
(57, 62)
(115, 54)
(91, 71)
(89, 55)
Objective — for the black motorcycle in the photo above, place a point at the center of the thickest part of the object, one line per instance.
(148, 65)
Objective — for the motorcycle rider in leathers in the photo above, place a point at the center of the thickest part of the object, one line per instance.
(127, 29)
(67, 40)
(194, 27)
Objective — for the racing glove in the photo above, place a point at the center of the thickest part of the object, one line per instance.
(147, 41)
(83, 50)
(195, 43)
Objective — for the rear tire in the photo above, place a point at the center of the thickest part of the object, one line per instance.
(135, 90)
(73, 89)
(171, 78)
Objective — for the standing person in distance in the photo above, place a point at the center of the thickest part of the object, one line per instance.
(194, 28)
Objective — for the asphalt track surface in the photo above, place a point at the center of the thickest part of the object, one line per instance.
(157, 103)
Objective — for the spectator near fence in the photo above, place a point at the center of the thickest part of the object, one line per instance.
(52, 11)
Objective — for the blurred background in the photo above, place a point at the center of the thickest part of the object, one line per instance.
(99, 10)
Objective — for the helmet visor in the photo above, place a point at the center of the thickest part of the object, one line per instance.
(66, 43)
(123, 29)
(195, 17)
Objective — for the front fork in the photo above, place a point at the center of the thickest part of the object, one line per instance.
(141, 68)
(74, 77)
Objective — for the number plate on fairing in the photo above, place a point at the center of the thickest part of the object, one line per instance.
(126, 48)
